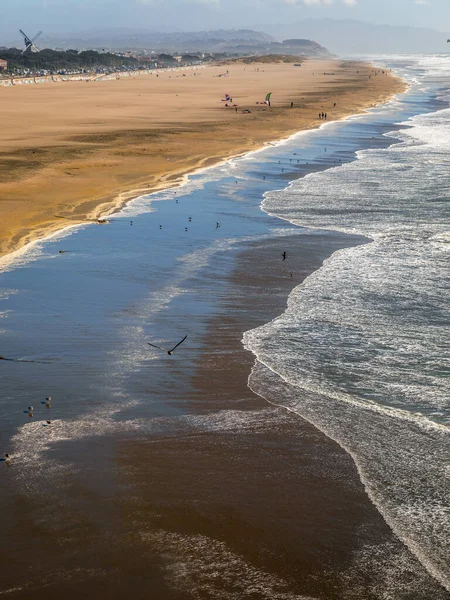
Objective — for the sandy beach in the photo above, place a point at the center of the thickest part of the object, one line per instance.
(73, 151)
(223, 472)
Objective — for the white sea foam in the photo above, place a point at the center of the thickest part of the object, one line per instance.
(35, 250)
(363, 350)
(201, 566)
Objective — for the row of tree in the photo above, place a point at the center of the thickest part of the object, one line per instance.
(69, 60)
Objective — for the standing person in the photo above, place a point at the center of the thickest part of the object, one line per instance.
(284, 255)
(320, 116)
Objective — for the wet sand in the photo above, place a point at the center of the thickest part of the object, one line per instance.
(252, 501)
(233, 498)
(72, 151)
(238, 500)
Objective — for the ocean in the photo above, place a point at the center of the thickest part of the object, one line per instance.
(367, 336)
(361, 353)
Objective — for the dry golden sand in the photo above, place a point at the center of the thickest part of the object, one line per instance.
(78, 150)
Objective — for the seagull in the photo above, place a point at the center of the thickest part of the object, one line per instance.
(169, 352)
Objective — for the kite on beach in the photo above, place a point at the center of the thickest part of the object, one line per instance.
(169, 352)
(266, 100)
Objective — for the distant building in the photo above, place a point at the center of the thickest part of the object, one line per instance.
(3, 64)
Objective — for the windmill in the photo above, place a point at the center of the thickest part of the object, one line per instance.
(29, 42)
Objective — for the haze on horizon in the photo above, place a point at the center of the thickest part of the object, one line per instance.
(67, 17)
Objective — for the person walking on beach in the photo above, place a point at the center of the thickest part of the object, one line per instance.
(320, 116)
(284, 255)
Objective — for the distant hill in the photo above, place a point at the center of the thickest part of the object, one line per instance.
(304, 47)
(231, 41)
(265, 59)
(357, 37)
(140, 39)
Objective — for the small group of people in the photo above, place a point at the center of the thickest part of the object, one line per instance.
(323, 116)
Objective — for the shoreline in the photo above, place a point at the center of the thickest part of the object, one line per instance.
(257, 468)
(232, 498)
(116, 201)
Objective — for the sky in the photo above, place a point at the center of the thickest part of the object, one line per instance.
(67, 16)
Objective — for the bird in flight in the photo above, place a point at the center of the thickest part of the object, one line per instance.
(169, 352)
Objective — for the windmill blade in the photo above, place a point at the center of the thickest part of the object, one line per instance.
(36, 36)
(178, 344)
(25, 37)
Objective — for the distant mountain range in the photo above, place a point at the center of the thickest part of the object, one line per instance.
(357, 37)
(138, 39)
(342, 37)
(241, 41)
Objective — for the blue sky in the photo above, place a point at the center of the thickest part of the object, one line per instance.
(194, 15)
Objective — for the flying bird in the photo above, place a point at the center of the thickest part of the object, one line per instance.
(169, 352)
